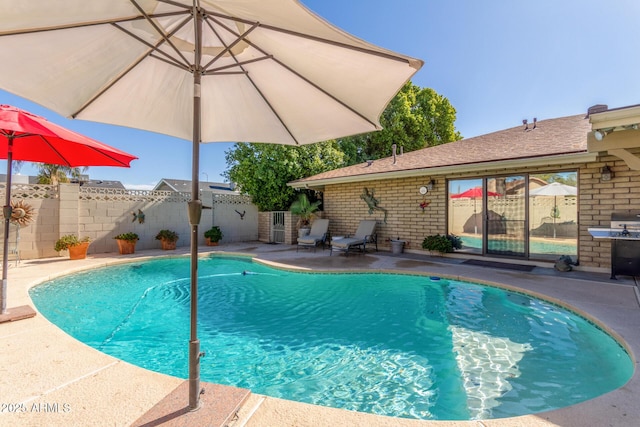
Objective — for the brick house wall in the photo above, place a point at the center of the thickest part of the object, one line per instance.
(405, 219)
(598, 199)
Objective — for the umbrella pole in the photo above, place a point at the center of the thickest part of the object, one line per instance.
(195, 212)
(6, 210)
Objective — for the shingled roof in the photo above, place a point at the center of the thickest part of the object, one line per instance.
(562, 138)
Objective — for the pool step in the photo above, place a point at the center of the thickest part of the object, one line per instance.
(219, 404)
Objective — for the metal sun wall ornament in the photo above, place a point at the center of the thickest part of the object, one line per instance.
(22, 213)
(369, 197)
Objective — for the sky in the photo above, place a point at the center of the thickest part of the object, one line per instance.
(497, 61)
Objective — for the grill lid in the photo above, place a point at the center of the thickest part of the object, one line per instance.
(629, 219)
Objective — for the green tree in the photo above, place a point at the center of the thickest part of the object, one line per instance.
(53, 174)
(415, 118)
(263, 170)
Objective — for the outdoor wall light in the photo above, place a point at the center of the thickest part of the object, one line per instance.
(601, 133)
(606, 174)
(426, 188)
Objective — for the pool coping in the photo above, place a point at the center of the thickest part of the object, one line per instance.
(52, 379)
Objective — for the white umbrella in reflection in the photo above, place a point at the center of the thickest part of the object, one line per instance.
(555, 189)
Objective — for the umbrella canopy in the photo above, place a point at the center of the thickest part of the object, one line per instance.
(35, 139)
(554, 189)
(272, 71)
(474, 193)
(25, 136)
(206, 70)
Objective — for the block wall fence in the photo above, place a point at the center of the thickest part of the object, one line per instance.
(100, 214)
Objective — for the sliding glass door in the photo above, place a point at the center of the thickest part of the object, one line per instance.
(505, 219)
(522, 216)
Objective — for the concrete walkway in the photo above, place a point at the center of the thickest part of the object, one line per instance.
(48, 378)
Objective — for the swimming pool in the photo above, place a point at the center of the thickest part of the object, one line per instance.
(392, 344)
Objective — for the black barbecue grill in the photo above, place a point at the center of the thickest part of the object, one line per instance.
(625, 242)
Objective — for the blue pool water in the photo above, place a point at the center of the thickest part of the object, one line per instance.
(535, 246)
(393, 344)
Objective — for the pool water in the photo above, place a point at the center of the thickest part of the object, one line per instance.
(535, 246)
(392, 344)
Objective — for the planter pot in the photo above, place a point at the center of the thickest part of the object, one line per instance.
(397, 246)
(78, 251)
(210, 243)
(168, 245)
(126, 246)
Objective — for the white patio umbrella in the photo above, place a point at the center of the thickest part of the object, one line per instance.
(554, 189)
(203, 70)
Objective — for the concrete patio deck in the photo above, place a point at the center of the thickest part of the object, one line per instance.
(48, 378)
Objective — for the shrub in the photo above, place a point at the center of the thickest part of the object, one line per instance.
(131, 237)
(442, 243)
(168, 235)
(304, 209)
(214, 234)
(65, 242)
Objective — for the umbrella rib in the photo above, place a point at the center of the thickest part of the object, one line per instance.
(106, 88)
(250, 43)
(46, 141)
(87, 24)
(68, 163)
(227, 48)
(159, 30)
(240, 64)
(174, 61)
(387, 55)
(237, 64)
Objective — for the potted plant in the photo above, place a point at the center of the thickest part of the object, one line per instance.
(306, 211)
(127, 243)
(213, 236)
(168, 239)
(77, 247)
(442, 243)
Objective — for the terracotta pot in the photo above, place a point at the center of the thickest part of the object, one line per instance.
(126, 246)
(168, 245)
(78, 251)
(209, 242)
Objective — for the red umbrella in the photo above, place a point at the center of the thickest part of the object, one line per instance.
(474, 193)
(25, 136)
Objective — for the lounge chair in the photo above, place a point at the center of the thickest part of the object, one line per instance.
(318, 235)
(364, 234)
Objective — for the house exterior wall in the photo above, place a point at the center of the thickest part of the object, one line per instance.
(598, 199)
(406, 220)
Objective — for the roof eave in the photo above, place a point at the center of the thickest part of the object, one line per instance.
(615, 117)
(561, 159)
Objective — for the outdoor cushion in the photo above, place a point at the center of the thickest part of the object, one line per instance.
(364, 234)
(318, 234)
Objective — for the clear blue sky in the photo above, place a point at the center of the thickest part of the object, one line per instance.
(497, 61)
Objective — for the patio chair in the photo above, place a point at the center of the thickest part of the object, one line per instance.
(364, 234)
(318, 235)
